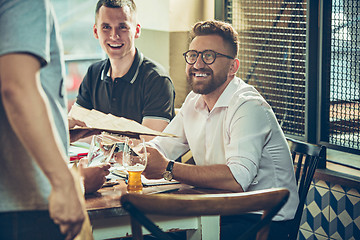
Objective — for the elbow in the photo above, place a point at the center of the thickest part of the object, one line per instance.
(8, 93)
(238, 188)
(234, 186)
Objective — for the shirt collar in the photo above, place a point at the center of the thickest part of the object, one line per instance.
(105, 73)
(225, 97)
(131, 75)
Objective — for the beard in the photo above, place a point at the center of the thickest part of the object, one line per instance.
(206, 86)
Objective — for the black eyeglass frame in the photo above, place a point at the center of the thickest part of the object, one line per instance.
(202, 56)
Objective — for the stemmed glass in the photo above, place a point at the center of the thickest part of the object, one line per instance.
(134, 161)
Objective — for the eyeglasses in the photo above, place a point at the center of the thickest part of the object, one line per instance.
(208, 56)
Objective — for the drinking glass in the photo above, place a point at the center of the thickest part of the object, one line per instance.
(134, 161)
(103, 149)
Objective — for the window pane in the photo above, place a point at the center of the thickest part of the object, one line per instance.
(76, 19)
(272, 55)
(345, 74)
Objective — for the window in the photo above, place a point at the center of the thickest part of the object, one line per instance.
(75, 19)
(272, 55)
(345, 74)
(310, 75)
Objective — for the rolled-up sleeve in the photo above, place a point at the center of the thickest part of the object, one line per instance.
(248, 131)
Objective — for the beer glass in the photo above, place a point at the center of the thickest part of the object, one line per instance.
(134, 161)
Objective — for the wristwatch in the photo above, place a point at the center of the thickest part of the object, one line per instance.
(168, 175)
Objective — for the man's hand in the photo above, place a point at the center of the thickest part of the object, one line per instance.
(76, 134)
(94, 177)
(156, 164)
(73, 122)
(217, 176)
(66, 207)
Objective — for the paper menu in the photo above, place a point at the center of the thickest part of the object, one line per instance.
(97, 120)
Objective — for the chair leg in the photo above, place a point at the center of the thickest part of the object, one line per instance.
(136, 229)
(263, 226)
(263, 233)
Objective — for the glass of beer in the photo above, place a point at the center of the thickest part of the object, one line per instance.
(134, 161)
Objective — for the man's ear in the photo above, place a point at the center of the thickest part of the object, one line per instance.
(95, 32)
(234, 67)
(137, 31)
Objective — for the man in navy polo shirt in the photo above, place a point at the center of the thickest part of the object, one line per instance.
(127, 84)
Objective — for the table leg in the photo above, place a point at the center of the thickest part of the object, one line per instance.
(208, 229)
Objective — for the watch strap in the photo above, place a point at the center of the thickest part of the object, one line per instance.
(170, 166)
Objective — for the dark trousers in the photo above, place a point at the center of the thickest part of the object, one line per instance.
(28, 225)
(233, 227)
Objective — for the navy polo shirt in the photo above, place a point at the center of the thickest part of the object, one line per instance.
(145, 91)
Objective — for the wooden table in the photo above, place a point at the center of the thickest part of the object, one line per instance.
(110, 220)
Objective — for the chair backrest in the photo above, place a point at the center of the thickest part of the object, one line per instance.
(306, 158)
(269, 200)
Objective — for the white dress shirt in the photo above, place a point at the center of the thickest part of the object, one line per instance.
(240, 131)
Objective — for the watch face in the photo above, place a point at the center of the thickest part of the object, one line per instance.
(167, 175)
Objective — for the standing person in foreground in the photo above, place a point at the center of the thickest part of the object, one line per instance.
(232, 132)
(40, 197)
(127, 84)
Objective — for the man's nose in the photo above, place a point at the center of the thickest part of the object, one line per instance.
(114, 34)
(199, 62)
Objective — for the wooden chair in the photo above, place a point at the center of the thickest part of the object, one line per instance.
(269, 200)
(306, 157)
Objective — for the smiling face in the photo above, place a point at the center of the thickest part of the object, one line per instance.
(205, 79)
(116, 29)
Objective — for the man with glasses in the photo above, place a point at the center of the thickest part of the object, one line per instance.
(232, 132)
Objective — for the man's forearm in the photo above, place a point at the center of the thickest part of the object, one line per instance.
(215, 176)
(25, 104)
(154, 124)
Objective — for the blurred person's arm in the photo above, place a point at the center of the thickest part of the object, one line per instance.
(26, 106)
(154, 124)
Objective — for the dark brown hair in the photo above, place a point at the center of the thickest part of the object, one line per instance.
(223, 29)
(115, 4)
